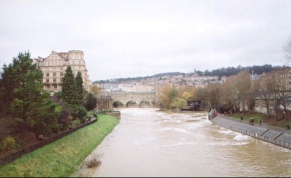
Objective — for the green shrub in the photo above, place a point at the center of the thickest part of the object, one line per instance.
(56, 129)
(75, 123)
(8, 144)
(79, 112)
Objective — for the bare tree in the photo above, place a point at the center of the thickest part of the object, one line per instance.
(280, 87)
(229, 94)
(214, 91)
(264, 90)
(287, 49)
(243, 85)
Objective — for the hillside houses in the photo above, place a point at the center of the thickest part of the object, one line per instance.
(154, 83)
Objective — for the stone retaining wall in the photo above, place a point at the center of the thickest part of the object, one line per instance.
(268, 135)
(115, 114)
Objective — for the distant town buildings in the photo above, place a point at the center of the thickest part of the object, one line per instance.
(188, 80)
(54, 67)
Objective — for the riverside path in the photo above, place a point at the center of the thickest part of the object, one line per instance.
(264, 131)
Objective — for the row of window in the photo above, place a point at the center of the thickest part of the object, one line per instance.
(62, 68)
(79, 56)
(54, 74)
(47, 80)
(55, 86)
(60, 63)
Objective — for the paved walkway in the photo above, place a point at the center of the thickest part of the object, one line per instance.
(271, 134)
(257, 125)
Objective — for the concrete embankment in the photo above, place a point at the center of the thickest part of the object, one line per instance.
(263, 132)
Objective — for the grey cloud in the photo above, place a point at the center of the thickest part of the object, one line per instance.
(135, 38)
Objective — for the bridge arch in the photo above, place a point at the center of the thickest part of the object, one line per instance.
(117, 104)
(145, 104)
(131, 104)
(133, 99)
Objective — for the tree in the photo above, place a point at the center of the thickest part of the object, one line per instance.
(23, 96)
(265, 85)
(69, 88)
(90, 102)
(229, 97)
(280, 88)
(178, 103)
(214, 93)
(94, 89)
(167, 95)
(287, 49)
(243, 85)
(66, 113)
(79, 88)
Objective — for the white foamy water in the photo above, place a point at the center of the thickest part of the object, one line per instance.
(150, 143)
(241, 137)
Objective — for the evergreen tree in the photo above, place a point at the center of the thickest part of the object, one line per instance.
(90, 102)
(23, 97)
(69, 87)
(79, 85)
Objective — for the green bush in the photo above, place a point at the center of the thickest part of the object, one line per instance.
(57, 128)
(76, 123)
(8, 144)
(79, 112)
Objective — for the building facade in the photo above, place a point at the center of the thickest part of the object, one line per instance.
(54, 67)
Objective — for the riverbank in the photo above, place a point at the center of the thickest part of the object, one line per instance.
(265, 132)
(63, 157)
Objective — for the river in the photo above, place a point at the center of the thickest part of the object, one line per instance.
(151, 143)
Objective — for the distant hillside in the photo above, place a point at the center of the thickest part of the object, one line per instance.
(119, 80)
(229, 71)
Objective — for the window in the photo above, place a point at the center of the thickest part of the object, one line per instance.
(47, 80)
(55, 80)
(54, 74)
(55, 86)
(61, 73)
(61, 79)
(47, 74)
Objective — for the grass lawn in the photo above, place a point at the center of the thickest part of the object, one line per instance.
(63, 157)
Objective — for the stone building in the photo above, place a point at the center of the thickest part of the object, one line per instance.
(104, 102)
(54, 67)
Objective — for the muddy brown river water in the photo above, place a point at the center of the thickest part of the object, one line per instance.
(151, 143)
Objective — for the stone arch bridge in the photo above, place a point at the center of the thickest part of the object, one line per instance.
(135, 99)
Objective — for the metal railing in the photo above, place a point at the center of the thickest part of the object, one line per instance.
(258, 136)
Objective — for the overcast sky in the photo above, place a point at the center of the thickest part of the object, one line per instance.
(130, 38)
